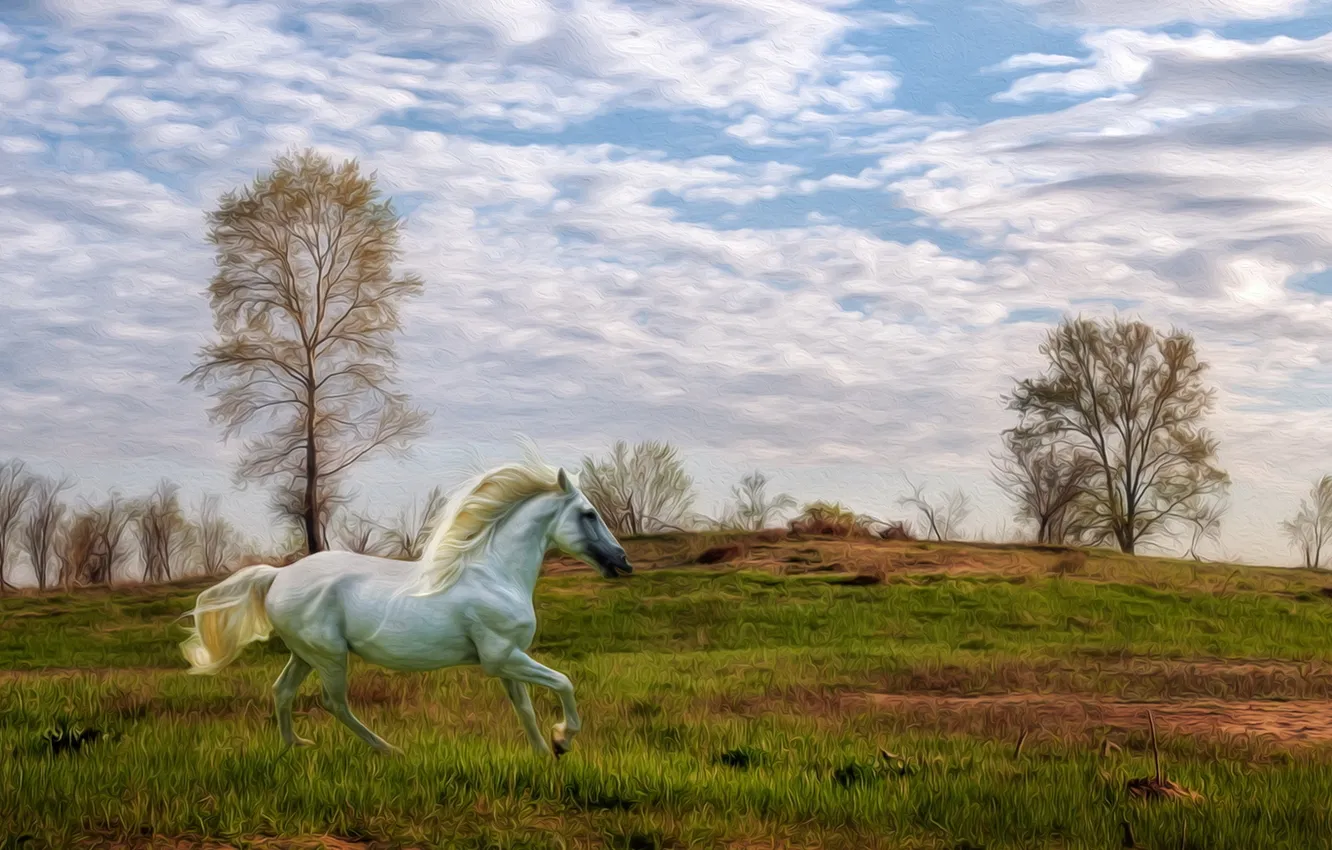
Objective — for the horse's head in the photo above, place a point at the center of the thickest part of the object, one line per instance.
(580, 533)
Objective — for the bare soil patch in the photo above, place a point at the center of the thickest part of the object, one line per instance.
(1292, 722)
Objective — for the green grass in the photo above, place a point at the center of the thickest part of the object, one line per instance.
(674, 670)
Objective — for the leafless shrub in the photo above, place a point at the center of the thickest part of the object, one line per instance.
(753, 509)
(357, 533)
(407, 537)
(41, 526)
(217, 539)
(1046, 480)
(941, 519)
(897, 530)
(1203, 517)
(640, 491)
(94, 547)
(1311, 529)
(15, 487)
(831, 519)
(164, 533)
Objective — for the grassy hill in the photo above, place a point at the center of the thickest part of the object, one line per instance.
(786, 694)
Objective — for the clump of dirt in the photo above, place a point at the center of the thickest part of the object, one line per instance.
(742, 758)
(858, 580)
(1070, 563)
(855, 773)
(720, 554)
(69, 740)
(1152, 788)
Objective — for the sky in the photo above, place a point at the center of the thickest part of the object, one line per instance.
(817, 238)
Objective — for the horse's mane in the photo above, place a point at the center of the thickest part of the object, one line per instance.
(472, 514)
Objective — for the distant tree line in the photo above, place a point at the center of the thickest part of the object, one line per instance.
(88, 544)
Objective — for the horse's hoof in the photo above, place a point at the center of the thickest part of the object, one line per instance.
(302, 743)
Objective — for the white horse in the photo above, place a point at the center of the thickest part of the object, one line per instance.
(468, 600)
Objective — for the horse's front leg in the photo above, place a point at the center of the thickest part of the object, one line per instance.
(522, 703)
(521, 667)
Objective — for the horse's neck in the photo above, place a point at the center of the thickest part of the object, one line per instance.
(519, 544)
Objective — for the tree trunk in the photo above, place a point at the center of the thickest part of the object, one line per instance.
(313, 541)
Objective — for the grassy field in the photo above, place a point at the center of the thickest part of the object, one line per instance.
(813, 693)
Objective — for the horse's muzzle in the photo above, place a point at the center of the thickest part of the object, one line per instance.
(616, 565)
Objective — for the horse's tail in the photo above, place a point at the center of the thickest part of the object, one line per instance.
(227, 616)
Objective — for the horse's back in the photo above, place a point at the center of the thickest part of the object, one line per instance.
(322, 585)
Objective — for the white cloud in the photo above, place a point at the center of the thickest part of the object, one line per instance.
(1025, 61)
(1148, 13)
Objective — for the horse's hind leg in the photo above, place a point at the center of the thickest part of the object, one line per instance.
(284, 695)
(333, 674)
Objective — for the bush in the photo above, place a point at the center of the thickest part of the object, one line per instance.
(897, 530)
(831, 520)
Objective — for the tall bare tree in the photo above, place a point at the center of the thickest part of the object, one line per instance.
(753, 509)
(217, 539)
(41, 526)
(407, 537)
(942, 519)
(639, 491)
(1046, 481)
(15, 487)
(164, 533)
(306, 305)
(1311, 529)
(93, 547)
(1133, 398)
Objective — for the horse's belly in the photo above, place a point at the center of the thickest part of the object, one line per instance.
(401, 652)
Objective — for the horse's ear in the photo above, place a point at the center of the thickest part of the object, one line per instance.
(565, 485)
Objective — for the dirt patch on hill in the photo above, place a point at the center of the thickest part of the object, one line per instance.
(1291, 722)
(796, 556)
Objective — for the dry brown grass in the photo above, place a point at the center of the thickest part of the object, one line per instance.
(789, 553)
